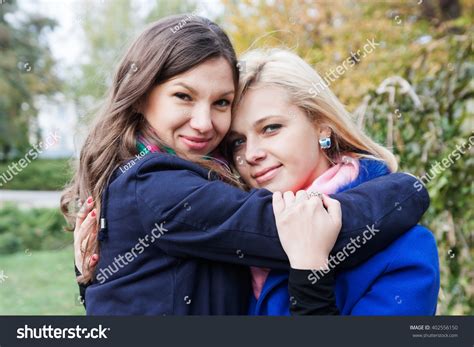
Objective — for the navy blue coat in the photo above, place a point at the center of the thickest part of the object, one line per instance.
(178, 243)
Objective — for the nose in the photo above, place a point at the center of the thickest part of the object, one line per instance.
(201, 119)
(254, 153)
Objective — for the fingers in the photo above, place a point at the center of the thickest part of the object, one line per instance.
(278, 203)
(315, 198)
(89, 225)
(94, 259)
(87, 230)
(301, 196)
(85, 209)
(333, 207)
(289, 198)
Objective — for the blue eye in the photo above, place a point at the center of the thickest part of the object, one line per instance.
(223, 103)
(183, 96)
(271, 128)
(234, 144)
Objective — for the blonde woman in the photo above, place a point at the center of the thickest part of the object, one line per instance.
(283, 137)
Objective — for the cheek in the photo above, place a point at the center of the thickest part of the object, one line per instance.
(169, 117)
(222, 124)
(300, 156)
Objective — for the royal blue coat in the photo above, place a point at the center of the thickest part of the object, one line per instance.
(179, 243)
(402, 279)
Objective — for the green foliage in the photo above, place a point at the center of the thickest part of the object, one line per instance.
(438, 132)
(32, 229)
(41, 174)
(26, 70)
(109, 27)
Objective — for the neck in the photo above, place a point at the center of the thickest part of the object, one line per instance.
(322, 166)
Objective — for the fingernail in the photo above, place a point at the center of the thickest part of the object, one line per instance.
(89, 200)
(93, 213)
(94, 257)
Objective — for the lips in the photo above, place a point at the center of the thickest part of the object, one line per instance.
(196, 143)
(266, 174)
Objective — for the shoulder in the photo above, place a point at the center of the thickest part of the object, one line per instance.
(373, 168)
(419, 236)
(168, 183)
(415, 247)
(368, 170)
(413, 252)
(160, 181)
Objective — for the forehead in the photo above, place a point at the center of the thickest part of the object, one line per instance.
(259, 102)
(213, 74)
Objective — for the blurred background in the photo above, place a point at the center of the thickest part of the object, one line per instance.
(414, 92)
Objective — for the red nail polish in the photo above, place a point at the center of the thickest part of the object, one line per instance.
(89, 200)
(93, 213)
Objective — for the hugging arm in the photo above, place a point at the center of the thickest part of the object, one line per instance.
(216, 221)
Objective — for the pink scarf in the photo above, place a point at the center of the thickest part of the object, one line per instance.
(329, 182)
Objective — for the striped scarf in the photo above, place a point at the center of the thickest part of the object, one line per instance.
(144, 146)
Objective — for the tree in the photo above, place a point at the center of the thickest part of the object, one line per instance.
(108, 28)
(26, 70)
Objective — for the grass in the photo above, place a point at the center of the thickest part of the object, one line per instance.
(39, 283)
(40, 174)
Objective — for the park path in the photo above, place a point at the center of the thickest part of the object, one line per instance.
(31, 198)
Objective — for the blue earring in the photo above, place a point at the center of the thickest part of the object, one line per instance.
(325, 142)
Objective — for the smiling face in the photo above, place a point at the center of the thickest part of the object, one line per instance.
(191, 112)
(274, 144)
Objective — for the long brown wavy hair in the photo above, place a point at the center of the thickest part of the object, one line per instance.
(155, 56)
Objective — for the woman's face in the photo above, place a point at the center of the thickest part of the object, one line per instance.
(274, 144)
(192, 112)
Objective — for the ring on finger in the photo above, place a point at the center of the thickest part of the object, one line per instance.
(316, 194)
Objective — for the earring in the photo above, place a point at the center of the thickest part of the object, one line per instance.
(325, 142)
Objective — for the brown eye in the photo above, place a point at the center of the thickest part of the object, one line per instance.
(183, 96)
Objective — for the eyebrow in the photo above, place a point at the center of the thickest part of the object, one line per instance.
(191, 89)
(257, 123)
(264, 119)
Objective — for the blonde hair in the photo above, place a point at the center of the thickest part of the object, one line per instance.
(282, 68)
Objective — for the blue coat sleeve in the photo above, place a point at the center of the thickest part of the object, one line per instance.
(213, 220)
(410, 284)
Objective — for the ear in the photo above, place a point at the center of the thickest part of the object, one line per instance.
(140, 106)
(324, 131)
